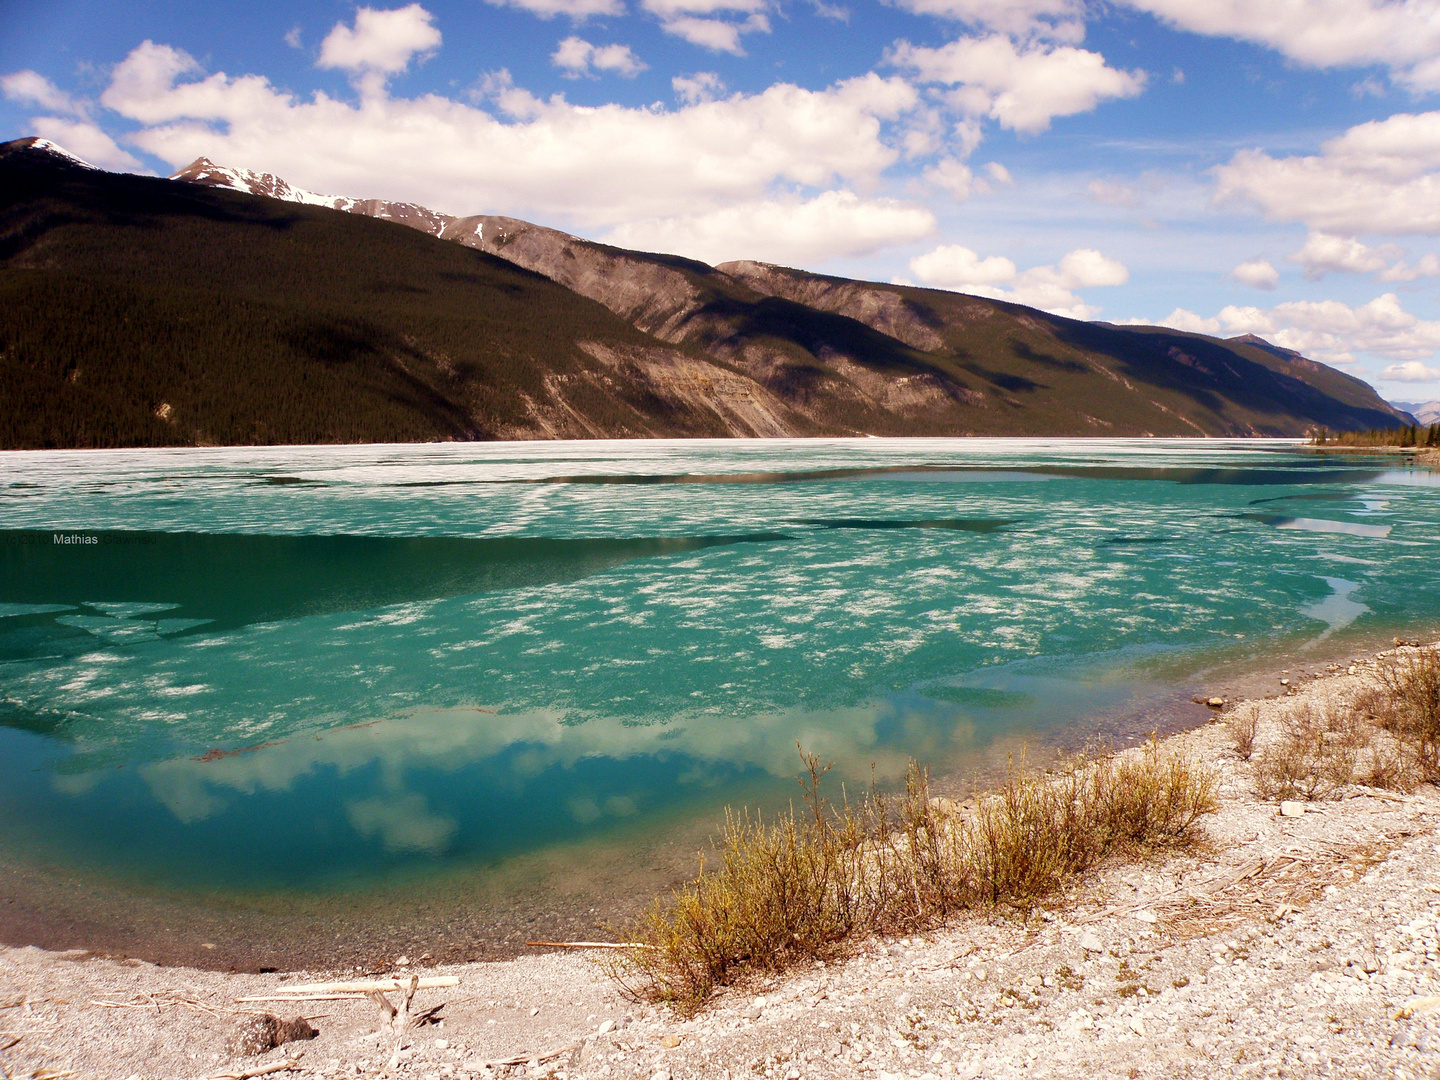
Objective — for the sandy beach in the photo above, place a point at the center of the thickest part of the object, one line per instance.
(1287, 945)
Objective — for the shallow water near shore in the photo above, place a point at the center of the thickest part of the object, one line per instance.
(312, 675)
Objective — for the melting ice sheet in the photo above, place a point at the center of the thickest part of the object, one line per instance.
(445, 656)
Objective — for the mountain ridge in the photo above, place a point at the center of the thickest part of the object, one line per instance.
(681, 349)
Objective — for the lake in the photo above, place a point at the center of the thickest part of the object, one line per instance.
(281, 678)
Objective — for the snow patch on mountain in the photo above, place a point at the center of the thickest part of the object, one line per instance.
(206, 172)
(47, 147)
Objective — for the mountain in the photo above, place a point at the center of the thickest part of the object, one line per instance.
(1424, 412)
(921, 361)
(228, 307)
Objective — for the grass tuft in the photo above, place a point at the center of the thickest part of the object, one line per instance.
(810, 884)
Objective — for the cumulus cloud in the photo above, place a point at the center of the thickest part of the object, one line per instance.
(1020, 87)
(577, 57)
(1056, 19)
(85, 140)
(1257, 273)
(1050, 288)
(1412, 371)
(1405, 36)
(73, 129)
(698, 21)
(1326, 330)
(381, 42)
(1325, 254)
(717, 35)
(1378, 177)
(953, 176)
(32, 88)
(831, 225)
(576, 10)
(678, 171)
(701, 86)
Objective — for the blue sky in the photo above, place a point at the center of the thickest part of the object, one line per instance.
(1217, 165)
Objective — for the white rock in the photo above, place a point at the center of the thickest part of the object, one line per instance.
(1090, 943)
(1290, 808)
(606, 1027)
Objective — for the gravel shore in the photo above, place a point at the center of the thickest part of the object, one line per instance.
(1304, 946)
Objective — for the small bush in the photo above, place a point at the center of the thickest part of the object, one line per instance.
(1315, 753)
(1410, 709)
(806, 887)
(1242, 723)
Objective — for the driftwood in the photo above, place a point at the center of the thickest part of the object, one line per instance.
(522, 1059)
(263, 1070)
(428, 983)
(589, 945)
(401, 1020)
(297, 997)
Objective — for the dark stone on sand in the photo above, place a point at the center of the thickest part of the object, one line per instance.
(258, 1034)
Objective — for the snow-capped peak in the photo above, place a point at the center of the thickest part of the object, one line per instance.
(45, 146)
(204, 171)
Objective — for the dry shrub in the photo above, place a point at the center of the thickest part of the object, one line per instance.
(1386, 736)
(1410, 709)
(807, 886)
(1315, 753)
(1242, 723)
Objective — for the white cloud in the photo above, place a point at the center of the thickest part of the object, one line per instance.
(1324, 254)
(693, 89)
(1113, 193)
(32, 88)
(1412, 371)
(952, 176)
(834, 224)
(716, 35)
(1327, 329)
(695, 21)
(292, 37)
(953, 266)
(576, 10)
(1378, 177)
(85, 140)
(1023, 88)
(382, 42)
(1404, 35)
(578, 57)
(1056, 19)
(1050, 288)
(1257, 273)
(581, 166)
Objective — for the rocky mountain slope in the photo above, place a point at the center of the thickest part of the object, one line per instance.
(933, 359)
(231, 307)
(1424, 412)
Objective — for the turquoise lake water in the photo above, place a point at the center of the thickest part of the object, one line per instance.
(311, 669)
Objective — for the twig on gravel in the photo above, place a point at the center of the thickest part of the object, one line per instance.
(13, 1040)
(263, 1070)
(521, 1059)
(150, 1001)
(590, 945)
